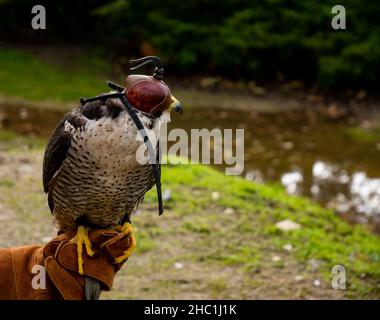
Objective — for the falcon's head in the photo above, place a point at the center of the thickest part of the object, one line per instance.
(149, 93)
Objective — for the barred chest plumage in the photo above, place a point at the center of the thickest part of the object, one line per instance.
(101, 179)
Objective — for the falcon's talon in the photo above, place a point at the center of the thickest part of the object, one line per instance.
(80, 239)
(128, 230)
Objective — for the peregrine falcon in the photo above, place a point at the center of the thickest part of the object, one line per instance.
(92, 172)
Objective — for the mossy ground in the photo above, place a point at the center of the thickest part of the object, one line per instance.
(216, 239)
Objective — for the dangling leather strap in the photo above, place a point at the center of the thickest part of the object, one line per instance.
(154, 159)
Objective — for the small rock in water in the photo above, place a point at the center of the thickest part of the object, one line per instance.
(215, 195)
(287, 145)
(287, 225)
(288, 247)
(23, 114)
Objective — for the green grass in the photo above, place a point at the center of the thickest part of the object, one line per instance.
(30, 77)
(323, 236)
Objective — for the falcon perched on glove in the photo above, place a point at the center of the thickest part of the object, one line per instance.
(91, 170)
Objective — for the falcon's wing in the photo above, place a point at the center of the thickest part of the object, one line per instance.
(60, 140)
(55, 154)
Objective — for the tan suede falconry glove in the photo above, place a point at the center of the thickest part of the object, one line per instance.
(50, 272)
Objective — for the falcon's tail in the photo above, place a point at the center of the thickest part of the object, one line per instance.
(92, 289)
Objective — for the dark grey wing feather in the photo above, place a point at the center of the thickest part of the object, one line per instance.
(55, 153)
(57, 147)
(60, 140)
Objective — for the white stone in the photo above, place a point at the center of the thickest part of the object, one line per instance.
(229, 211)
(299, 278)
(317, 283)
(167, 195)
(215, 195)
(288, 225)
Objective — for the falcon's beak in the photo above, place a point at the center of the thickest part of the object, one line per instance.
(175, 106)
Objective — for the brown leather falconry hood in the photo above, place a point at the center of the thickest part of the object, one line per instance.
(149, 93)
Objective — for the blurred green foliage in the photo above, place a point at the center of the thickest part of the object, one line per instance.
(257, 40)
(23, 75)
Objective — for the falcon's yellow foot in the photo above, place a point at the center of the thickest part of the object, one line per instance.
(127, 229)
(81, 238)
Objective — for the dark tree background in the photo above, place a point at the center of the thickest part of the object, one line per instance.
(239, 39)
